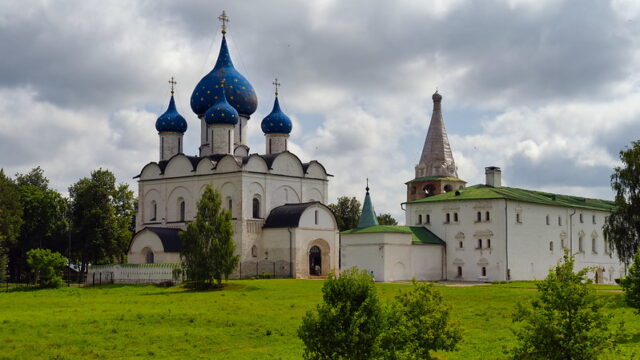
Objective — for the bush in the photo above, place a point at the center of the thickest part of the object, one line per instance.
(631, 284)
(46, 267)
(565, 321)
(418, 323)
(349, 322)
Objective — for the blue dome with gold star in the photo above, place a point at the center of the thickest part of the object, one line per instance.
(240, 93)
(171, 120)
(277, 122)
(221, 112)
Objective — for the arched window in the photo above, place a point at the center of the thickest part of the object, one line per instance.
(559, 220)
(182, 211)
(419, 219)
(429, 190)
(484, 271)
(487, 216)
(593, 245)
(256, 208)
(580, 244)
(254, 251)
(154, 211)
(550, 245)
(447, 188)
(149, 257)
(455, 217)
(315, 217)
(230, 205)
(488, 243)
(548, 223)
(479, 216)
(428, 219)
(448, 217)
(479, 243)
(459, 271)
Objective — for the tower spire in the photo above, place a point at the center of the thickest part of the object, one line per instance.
(437, 158)
(224, 19)
(368, 215)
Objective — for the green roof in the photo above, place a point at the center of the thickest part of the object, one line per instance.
(443, 178)
(484, 192)
(368, 215)
(419, 234)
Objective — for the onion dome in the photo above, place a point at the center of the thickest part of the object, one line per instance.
(276, 122)
(221, 112)
(240, 93)
(171, 120)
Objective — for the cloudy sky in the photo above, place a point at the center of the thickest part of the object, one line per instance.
(547, 90)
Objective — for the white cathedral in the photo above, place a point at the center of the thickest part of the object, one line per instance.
(277, 202)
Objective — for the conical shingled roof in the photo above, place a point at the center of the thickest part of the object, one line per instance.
(437, 158)
(368, 216)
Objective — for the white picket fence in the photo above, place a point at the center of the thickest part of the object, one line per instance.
(131, 274)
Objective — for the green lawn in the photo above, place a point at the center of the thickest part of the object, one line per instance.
(250, 319)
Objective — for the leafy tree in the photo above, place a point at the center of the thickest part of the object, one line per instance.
(566, 321)
(349, 322)
(631, 284)
(386, 219)
(34, 177)
(10, 218)
(418, 323)
(100, 215)
(347, 212)
(207, 246)
(46, 266)
(622, 228)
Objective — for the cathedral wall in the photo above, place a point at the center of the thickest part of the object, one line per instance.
(221, 139)
(275, 143)
(146, 241)
(316, 171)
(170, 145)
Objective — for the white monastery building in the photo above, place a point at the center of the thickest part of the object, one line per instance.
(484, 232)
(282, 226)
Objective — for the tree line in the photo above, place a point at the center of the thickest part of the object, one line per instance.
(93, 225)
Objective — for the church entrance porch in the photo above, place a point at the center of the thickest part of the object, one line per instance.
(315, 261)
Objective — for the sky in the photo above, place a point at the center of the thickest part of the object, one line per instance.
(547, 90)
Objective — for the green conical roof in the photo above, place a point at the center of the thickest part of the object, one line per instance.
(368, 215)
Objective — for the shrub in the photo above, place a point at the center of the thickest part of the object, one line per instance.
(565, 321)
(631, 284)
(46, 267)
(349, 322)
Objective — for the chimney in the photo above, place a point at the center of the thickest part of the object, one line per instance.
(493, 175)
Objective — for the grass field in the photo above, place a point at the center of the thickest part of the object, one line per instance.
(250, 319)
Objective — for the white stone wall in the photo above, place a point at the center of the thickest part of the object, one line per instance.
(240, 133)
(146, 241)
(170, 144)
(520, 246)
(131, 274)
(275, 143)
(221, 139)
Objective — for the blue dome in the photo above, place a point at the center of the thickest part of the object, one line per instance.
(221, 112)
(240, 93)
(171, 120)
(277, 122)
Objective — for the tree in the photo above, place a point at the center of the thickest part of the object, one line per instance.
(631, 284)
(100, 215)
(10, 218)
(347, 212)
(622, 228)
(418, 323)
(207, 246)
(565, 321)
(46, 266)
(349, 322)
(386, 219)
(34, 177)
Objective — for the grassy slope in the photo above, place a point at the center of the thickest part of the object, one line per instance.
(252, 319)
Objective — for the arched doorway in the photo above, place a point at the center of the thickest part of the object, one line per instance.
(315, 261)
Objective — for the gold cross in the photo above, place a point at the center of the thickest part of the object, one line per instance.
(224, 19)
(172, 82)
(277, 85)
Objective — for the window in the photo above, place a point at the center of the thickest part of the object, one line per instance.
(488, 243)
(479, 216)
(559, 220)
(593, 219)
(593, 246)
(518, 220)
(256, 208)
(419, 219)
(448, 218)
(550, 245)
(270, 151)
(447, 188)
(461, 245)
(162, 147)
(149, 257)
(580, 244)
(179, 146)
(479, 244)
(455, 217)
(229, 141)
(487, 216)
(581, 219)
(428, 219)
(548, 222)
(484, 271)
(315, 214)
(562, 244)
(182, 211)
(254, 251)
(230, 203)
(459, 271)
(154, 210)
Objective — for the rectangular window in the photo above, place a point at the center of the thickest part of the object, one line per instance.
(593, 219)
(487, 216)
(316, 217)
(428, 219)
(548, 223)
(455, 217)
(484, 271)
(230, 205)
(488, 243)
(461, 245)
(419, 219)
(479, 217)
(479, 244)
(560, 220)
(448, 218)
(459, 271)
